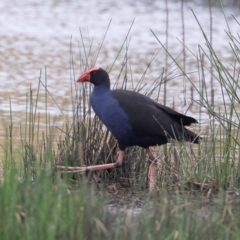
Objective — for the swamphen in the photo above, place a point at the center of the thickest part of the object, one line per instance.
(134, 119)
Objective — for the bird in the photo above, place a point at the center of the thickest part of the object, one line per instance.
(134, 120)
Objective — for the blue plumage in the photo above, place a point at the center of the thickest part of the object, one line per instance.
(111, 114)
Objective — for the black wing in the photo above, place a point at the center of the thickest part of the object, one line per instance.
(148, 118)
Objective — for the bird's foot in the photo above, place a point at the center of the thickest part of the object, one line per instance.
(80, 170)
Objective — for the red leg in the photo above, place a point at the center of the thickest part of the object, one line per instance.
(152, 170)
(117, 164)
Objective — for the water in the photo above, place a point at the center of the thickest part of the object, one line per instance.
(36, 35)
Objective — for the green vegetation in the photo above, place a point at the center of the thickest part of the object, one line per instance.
(47, 209)
(197, 194)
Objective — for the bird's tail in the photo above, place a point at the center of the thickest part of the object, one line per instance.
(182, 133)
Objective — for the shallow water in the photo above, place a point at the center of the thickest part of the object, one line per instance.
(36, 35)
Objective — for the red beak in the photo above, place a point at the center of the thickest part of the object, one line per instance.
(85, 77)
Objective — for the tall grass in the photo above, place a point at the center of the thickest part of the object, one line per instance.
(218, 156)
(54, 210)
(48, 210)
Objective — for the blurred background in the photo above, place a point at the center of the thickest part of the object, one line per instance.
(50, 40)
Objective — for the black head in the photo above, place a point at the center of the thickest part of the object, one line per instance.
(96, 76)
